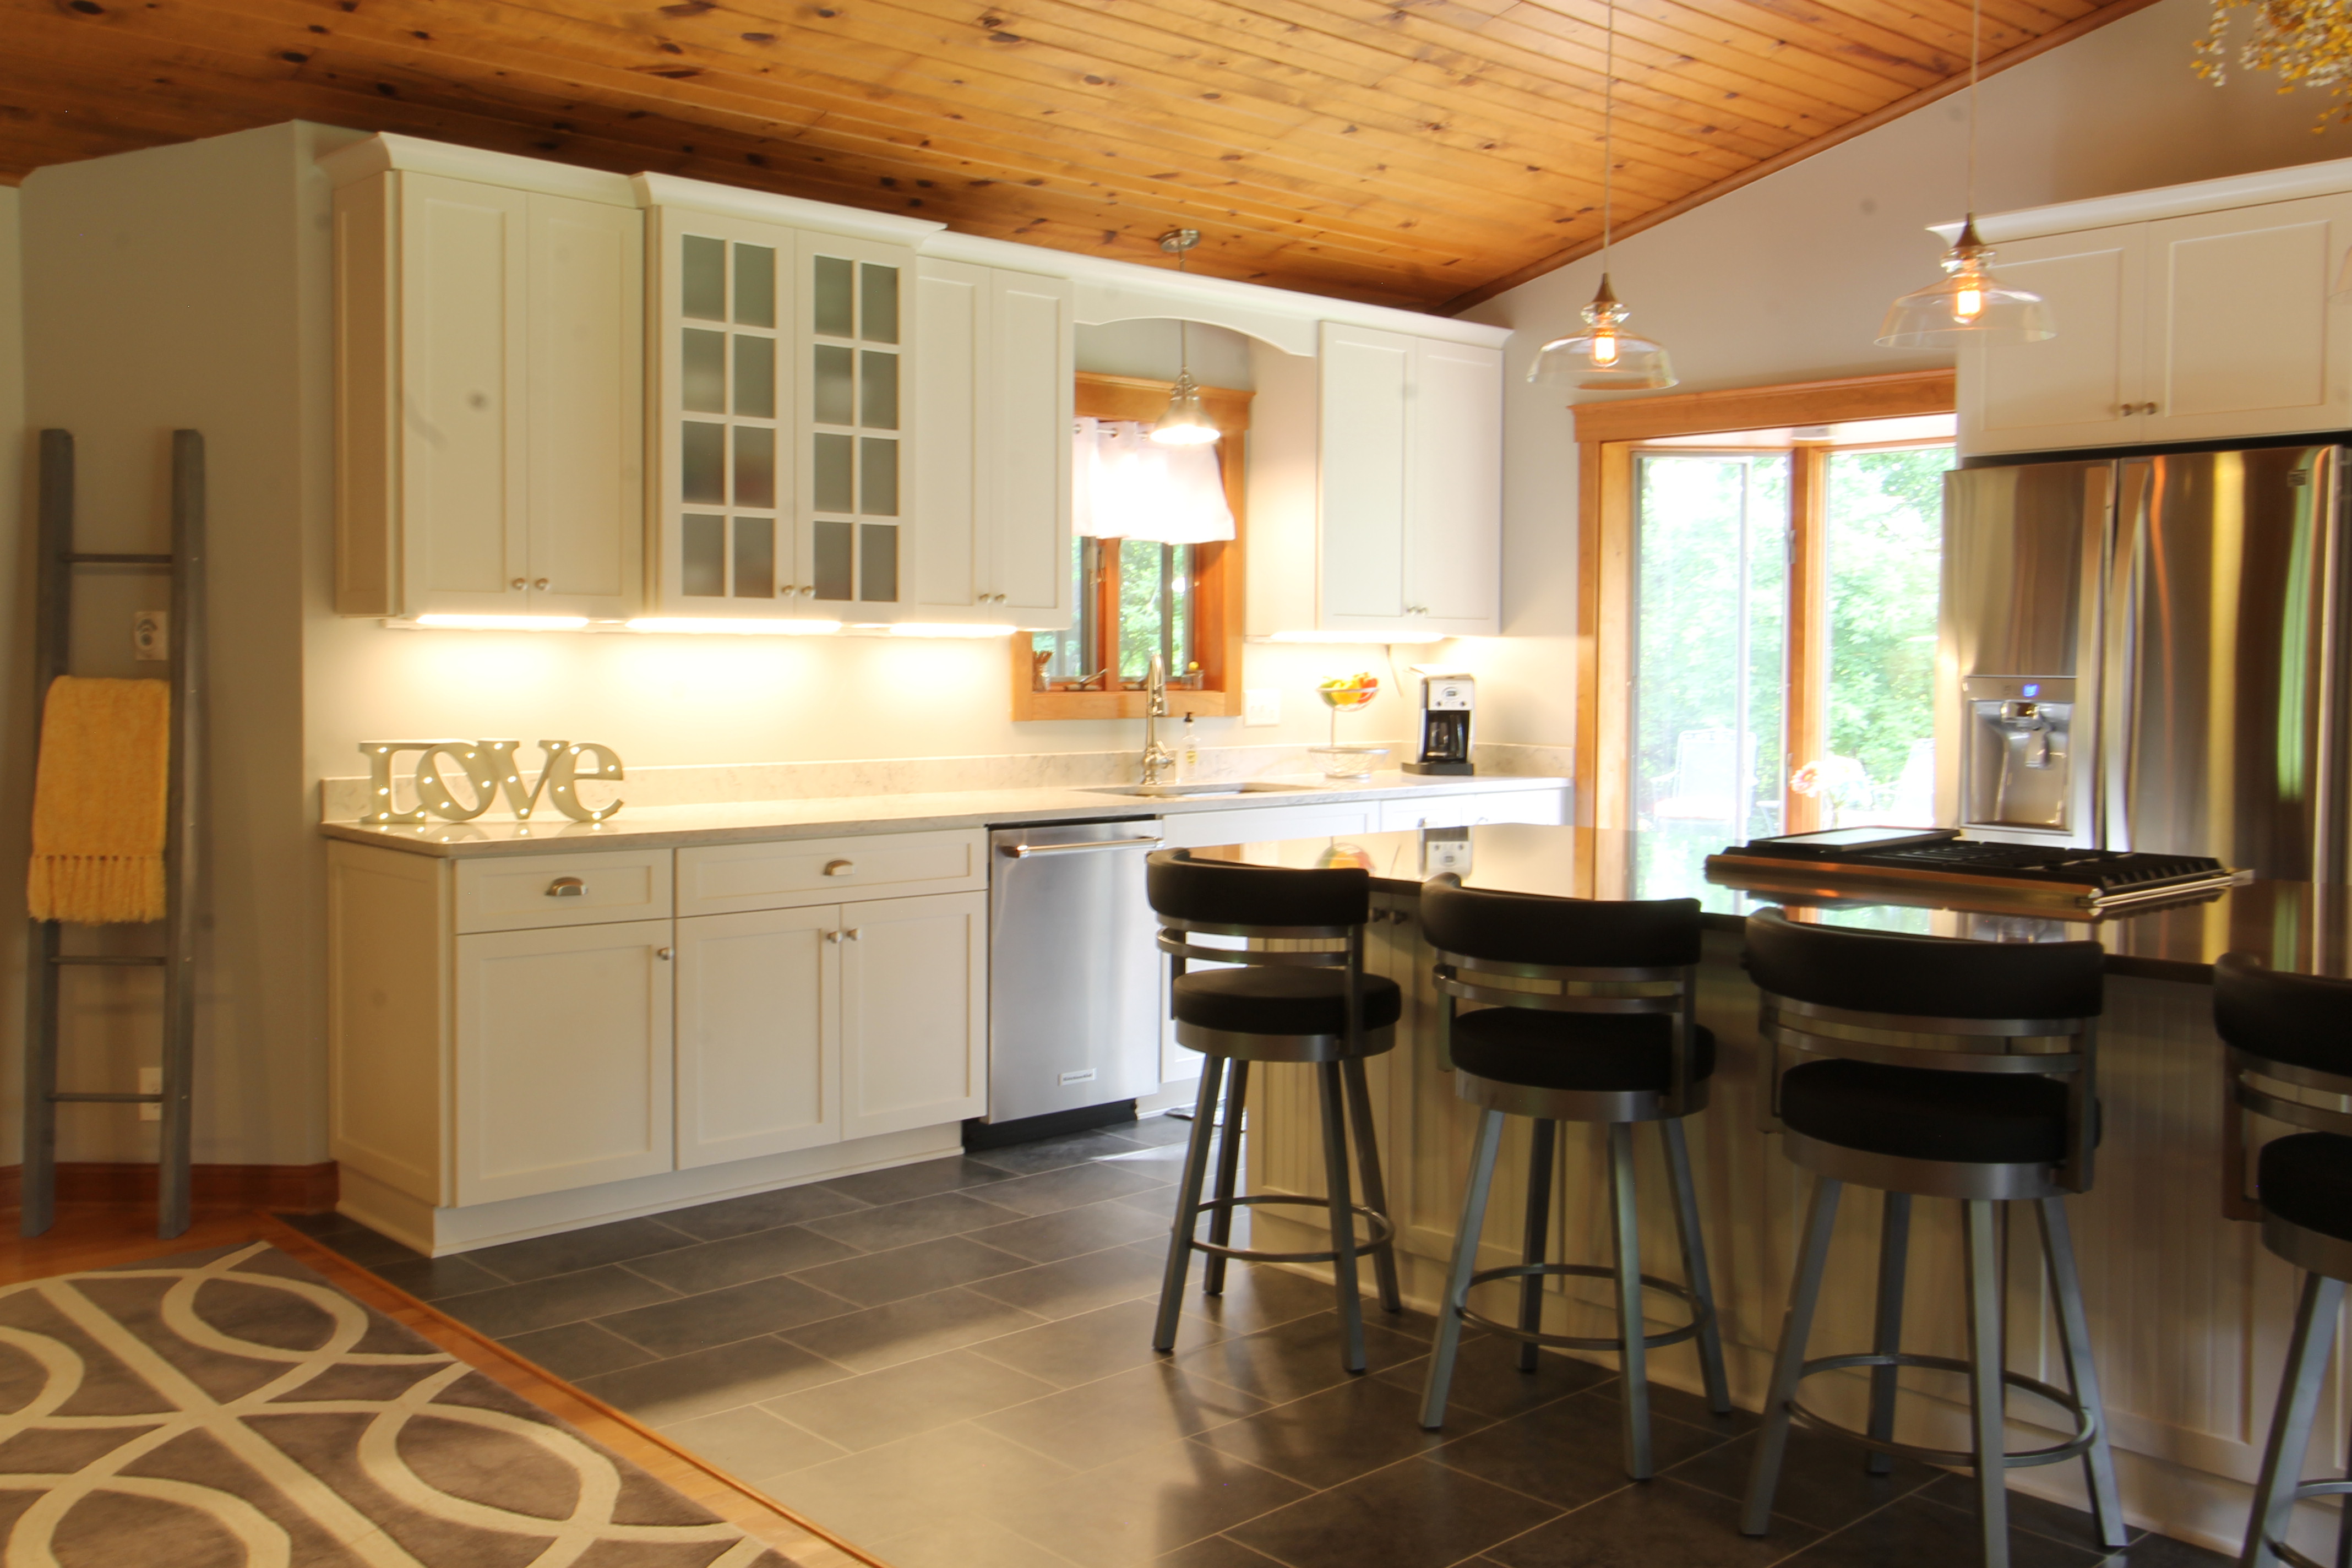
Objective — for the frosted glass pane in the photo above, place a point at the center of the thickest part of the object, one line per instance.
(877, 477)
(702, 370)
(830, 311)
(878, 562)
(755, 465)
(755, 557)
(832, 545)
(702, 277)
(879, 287)
(702, 551)
(877, 404)
(755, 376)
(755, 285)
(835, 399)
(702, 462)
(830, 485)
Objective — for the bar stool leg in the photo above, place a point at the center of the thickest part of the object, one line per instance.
(1345, 1284)
(1376, 1190)
(1985, 1390)
(1886, 1335)
(1188, 1205)
(1483, 1147)
(2082, 1374)
(1632, 1354)
(1539, 1148)
(1796, 1328)
(2306, 1365)
(1695, 1271)
(1229, 1159)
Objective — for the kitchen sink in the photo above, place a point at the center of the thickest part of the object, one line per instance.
(1216, 790)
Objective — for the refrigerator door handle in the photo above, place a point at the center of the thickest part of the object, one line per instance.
(2119, 660)
(2329, 825)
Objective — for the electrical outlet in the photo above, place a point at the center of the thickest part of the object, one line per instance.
(1261, 707)
(151, 634)
(151, 1081)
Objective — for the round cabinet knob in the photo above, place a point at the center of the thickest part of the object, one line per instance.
(662, 953)
(541, 584)
(851, 933)
(808, 593)
(834, 937)
(517, 584)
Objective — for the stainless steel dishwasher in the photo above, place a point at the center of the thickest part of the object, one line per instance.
(1073, 973)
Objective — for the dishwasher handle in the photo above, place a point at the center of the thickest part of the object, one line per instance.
(1024, 851)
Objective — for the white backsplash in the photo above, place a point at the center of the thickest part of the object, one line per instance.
(346, 799)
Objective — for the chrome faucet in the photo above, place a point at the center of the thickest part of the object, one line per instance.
(1157, 759)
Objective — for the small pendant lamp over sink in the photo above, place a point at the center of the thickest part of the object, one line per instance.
(1604, 356)
(1186, 423)
(1968, 304)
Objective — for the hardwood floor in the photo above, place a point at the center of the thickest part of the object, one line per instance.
(97, 1236)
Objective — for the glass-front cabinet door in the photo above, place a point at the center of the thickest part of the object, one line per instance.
(727, 546)
(856, 308)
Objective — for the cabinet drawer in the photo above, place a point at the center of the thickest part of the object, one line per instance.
(728, 878)
(1543, 807)
(531, 891)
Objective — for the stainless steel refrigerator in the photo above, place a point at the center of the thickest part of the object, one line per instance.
(2148, 653)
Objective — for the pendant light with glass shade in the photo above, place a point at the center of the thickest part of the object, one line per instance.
(1186, 423)
(1968, 304)
(1604, 356)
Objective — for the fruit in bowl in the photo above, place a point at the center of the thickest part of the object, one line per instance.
(1346, 692)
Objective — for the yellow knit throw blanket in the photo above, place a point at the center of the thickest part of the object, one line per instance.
(99, 801)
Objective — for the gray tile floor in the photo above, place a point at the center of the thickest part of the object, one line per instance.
(950, 1365)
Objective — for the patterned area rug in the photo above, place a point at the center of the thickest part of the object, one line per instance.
(231, 1410)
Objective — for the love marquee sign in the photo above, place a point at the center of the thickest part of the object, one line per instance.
(493, 770)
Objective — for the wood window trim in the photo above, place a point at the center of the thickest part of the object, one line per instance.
(1606, 436)
(1219, 585)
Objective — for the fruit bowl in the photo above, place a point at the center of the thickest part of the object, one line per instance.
(1346, 762)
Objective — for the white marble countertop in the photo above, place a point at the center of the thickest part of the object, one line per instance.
(751, 821)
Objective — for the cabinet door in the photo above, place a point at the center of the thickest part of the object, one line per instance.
(758, 1033)
(1530, 805)
(1268, 824)
(1453, 488)
(725, 543)
(1029, 382)
(1363, 379)
(857, 314)
(2070, 390)
(563, 1060)
(464, 389)
(2241, 340)
(586, 315)
(914, 1012)
(951, 468)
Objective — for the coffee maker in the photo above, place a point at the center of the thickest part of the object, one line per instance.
(1447, 701)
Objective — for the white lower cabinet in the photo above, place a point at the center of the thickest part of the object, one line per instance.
(759, 1035)
(914, 1012)
(1536, 806)
(562, 1058)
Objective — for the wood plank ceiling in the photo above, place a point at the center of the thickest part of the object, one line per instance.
(1413, 152)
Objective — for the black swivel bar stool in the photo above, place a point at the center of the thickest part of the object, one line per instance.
(1917, 1084)
(2296, 1030)
(1610, 1038)
(1307, 1001)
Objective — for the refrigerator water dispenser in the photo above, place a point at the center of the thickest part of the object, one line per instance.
(2017, 753)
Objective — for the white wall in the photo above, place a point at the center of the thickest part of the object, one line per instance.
(1786, 279)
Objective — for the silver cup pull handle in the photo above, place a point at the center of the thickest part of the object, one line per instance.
(567, 888)
(840, 867)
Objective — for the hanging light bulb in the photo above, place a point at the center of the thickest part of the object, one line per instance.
(1968, 304)
(1186, 423)
(1604, 355)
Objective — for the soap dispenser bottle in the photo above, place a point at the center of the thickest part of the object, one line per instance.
(1189, 767)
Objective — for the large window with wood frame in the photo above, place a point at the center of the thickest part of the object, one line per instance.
(1764, 604)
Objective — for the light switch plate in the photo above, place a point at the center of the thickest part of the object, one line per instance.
(1261, 707)
(151, 1081)
(151, 634)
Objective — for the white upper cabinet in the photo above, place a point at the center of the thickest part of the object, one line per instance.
(489, 433)
(2201, 325)
(1381, 514)
(856, 325)
(995, 399)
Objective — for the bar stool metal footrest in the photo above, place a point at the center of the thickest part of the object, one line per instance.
(2303, 1492)
(2086, 1419)
(1382, 1229)
(1701, 1314)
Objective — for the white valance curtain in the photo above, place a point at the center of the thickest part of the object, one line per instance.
(1129, 486)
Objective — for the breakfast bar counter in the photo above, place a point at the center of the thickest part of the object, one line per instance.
(2189, 1313)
